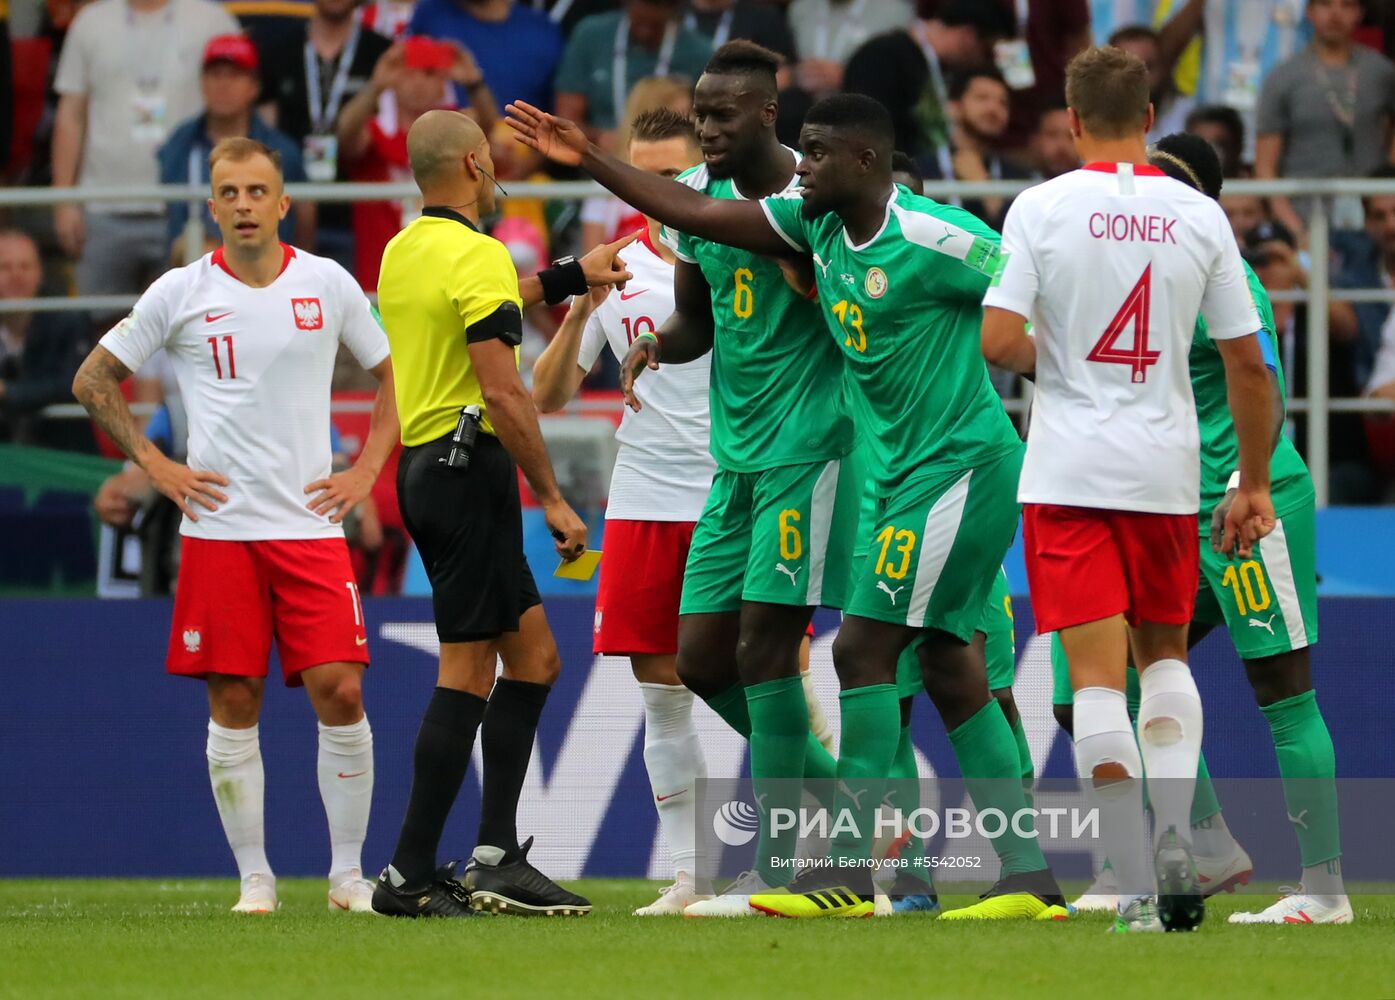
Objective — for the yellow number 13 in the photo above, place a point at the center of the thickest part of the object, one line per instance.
(905, 544)
(850, 316)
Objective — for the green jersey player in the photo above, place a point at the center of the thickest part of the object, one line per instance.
(900, 280)
(1268, 603)
(774, 537)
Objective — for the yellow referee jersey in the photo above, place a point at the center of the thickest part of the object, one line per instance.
(440, 276)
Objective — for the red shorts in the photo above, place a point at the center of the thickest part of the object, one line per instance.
(641, 582)
(234, 597)
(1085, 564)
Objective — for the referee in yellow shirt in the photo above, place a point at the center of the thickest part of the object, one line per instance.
(451, 303)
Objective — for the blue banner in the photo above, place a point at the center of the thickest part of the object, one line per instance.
(102, 768)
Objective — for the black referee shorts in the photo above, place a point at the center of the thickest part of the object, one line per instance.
(468, 526)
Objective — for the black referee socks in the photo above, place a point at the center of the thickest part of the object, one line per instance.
(442, 755)
(510, 723)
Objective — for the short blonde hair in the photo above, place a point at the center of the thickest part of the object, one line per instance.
(646, 95)
(239, 149)
(1108, 89)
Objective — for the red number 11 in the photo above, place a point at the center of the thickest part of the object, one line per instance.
(217, 363)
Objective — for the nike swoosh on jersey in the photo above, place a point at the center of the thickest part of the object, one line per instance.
(665, 798)
(208, 317)
(626, 298)
(356, 774)
(360, 640)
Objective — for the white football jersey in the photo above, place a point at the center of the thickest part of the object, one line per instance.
(664, 469)
(1111, 264)
(254, 367)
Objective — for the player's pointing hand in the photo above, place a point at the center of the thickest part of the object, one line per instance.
(603, 266)
(184, 485)
(643, 353)
(560, 140)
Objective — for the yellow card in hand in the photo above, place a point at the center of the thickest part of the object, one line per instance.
(583, 567)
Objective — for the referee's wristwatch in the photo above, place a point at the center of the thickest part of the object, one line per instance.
(564, 278)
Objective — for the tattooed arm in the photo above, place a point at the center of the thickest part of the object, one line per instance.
(97, 386)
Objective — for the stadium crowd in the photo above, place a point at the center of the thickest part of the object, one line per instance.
(136, 92)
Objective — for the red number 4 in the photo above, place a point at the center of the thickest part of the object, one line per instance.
(1133, 313)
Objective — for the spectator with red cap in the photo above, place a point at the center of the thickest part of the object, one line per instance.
(230, 84)
(128, 72)
(412, 78)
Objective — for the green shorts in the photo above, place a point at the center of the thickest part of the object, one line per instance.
(937, 547)
(781, 536)
(1000, 650)
(1269, 601)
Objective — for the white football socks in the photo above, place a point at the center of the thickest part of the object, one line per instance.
(818, 719)
(239, 787)
(673, 756)
(1169, 735)
(1103, 735)
(345, 769)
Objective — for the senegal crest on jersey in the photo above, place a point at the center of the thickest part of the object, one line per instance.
(876, 282)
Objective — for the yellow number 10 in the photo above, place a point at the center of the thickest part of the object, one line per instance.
(1250, 579)
(743, 300)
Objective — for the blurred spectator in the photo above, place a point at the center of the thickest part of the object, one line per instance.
(1239, 42)
(39, 355)
(309, 76)
(719, 21)
(1109, 16)
(388, 18)
(828, 32)
(978, 111)
(229, 84)
(1365, 258)
(410, 79)
(608, 53)
(1224, 129)
(1272, 251)
(517, 47)
(1170, 109)
(605, 218)
(1048, 34)
(567, 14)
(128, 72)
(907, 70)
(269, 22)
(1326, 111)
(7, 83)
(1246, 213)
(1053, 147)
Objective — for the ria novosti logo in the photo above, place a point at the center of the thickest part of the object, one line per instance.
(736, 823)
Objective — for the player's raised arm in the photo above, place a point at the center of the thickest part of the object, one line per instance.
(686, 336)
(557, 374)
(735, 223)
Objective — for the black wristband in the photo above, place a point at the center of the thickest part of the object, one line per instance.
(562, 279)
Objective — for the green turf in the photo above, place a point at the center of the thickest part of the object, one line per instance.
(116, 939)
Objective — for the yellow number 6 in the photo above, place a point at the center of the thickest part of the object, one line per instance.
(791, 543)
(743, 300)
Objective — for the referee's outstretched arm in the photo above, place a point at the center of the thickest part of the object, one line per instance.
(515, 419)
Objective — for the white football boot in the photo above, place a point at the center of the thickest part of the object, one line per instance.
(1216, 875)
(1102, 896)
(353, 895)
(258, 895)
(735, 902)
(673, 899)
(1297, 907)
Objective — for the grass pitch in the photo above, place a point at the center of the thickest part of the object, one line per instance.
(116, 939)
